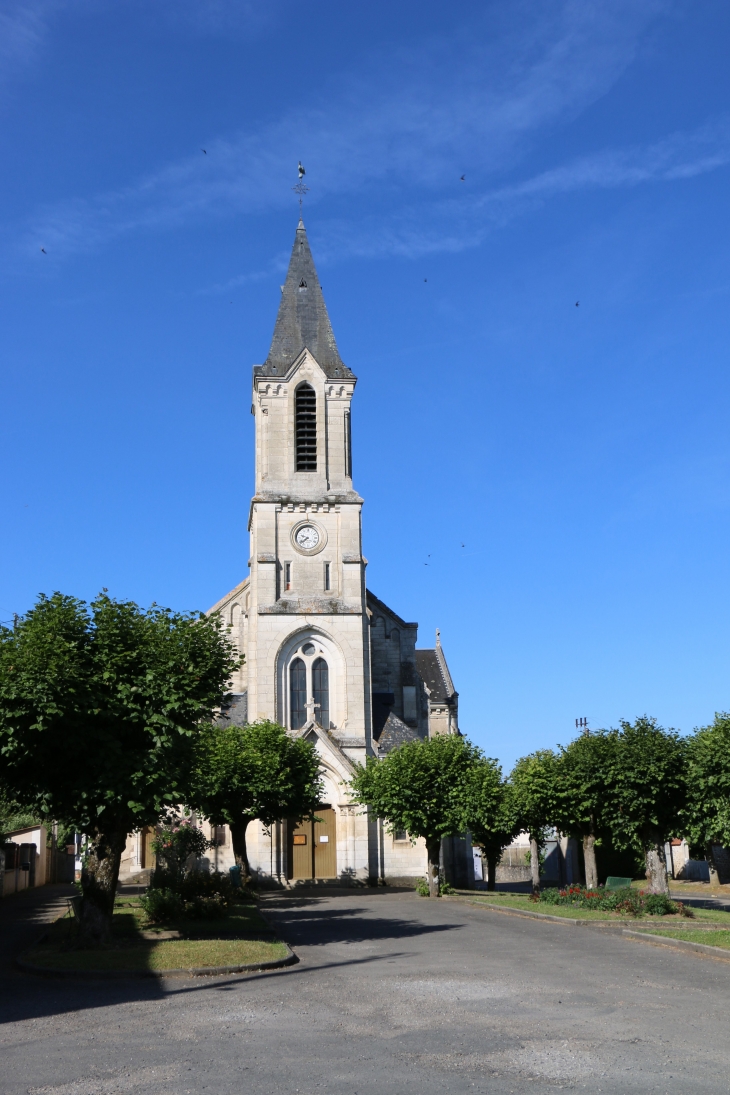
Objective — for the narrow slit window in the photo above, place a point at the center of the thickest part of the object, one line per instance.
(327, 585)
(297, 694)
(306, 428)
(321, 690)
(287, 575)
(348, 446)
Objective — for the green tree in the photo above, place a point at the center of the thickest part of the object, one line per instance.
(492, 819)
(421, 787)
(581, 807)
(646, 790)
(99, 705)
(254, 771)
(707, 819)
(534, 782)
(14, 816)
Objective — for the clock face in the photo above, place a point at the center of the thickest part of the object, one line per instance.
(307, 537)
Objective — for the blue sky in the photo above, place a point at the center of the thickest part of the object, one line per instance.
(581, 455)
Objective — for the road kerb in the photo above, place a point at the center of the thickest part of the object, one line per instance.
(679, 944)
(494, 907)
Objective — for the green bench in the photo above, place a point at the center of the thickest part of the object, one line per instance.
(613, 882)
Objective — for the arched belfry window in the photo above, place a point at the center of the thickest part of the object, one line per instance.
(321, 692)
(305, 413)
(298, 693)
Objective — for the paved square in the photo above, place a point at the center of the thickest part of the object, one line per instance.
(394, 994)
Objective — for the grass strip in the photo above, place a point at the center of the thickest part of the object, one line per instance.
(168, 954)
(518, 901)
(706, 938)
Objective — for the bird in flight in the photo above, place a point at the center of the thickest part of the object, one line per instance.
(425, 279)
(577, 304)
(462, 178)
(302, 172)
(204, 152)
(44, 250)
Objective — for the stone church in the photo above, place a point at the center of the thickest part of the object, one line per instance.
(324, 656)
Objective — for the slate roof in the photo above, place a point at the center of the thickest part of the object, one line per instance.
(302, 321)
(434, 672)
(395, 733)
(236, 711)
(382, 706)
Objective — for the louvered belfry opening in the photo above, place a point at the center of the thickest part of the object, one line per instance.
(306, 428)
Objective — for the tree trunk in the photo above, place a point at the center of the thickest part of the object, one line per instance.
(99, 877)
(434, 853)
(535, 864)
(656, 868)
(714, 873)
(238, 840)
(589, 856)
(492, 861)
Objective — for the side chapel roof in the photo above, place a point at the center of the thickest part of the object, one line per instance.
(434, 672)
(302, 321)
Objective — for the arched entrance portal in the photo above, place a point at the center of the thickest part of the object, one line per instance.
(313, 846)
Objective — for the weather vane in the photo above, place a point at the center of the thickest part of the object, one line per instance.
(301, 188)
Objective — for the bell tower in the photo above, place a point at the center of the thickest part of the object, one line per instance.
(307, 601)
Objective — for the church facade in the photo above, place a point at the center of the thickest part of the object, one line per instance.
(323, 655)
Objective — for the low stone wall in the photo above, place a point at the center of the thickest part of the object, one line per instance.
(514, 866)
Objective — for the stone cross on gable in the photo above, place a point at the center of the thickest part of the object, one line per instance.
(310, 706)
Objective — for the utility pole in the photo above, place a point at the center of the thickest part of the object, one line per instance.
(582, 724)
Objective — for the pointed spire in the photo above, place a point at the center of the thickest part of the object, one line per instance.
(302, 321)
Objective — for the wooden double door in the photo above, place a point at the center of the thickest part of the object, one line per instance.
(313, 846)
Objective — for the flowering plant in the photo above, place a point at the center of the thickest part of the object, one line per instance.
(626, 900)
(176, 842)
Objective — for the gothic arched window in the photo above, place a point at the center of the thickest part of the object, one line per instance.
(305, 413)
(321, 692)
(297, 694)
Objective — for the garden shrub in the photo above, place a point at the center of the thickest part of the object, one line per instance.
(161, 905)
(205, 884)
(198, 895)
(206, 908)
(659, 904)
(175, 843)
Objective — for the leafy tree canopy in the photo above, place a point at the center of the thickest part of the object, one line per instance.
(489, 805)
(707, 819)
(535, 790)
(581, 806)
(422, 787)
(99, 704)
(493, 821)
(253, 771)
(646, 784)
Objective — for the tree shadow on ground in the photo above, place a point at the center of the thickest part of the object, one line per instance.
(25, 996)
(299, 921)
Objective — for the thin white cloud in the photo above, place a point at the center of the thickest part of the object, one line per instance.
(277, 265)
(456, 225)
(26, 25)
(22, 30)
(399, 135)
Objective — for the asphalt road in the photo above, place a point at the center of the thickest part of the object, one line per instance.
(394, 994)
